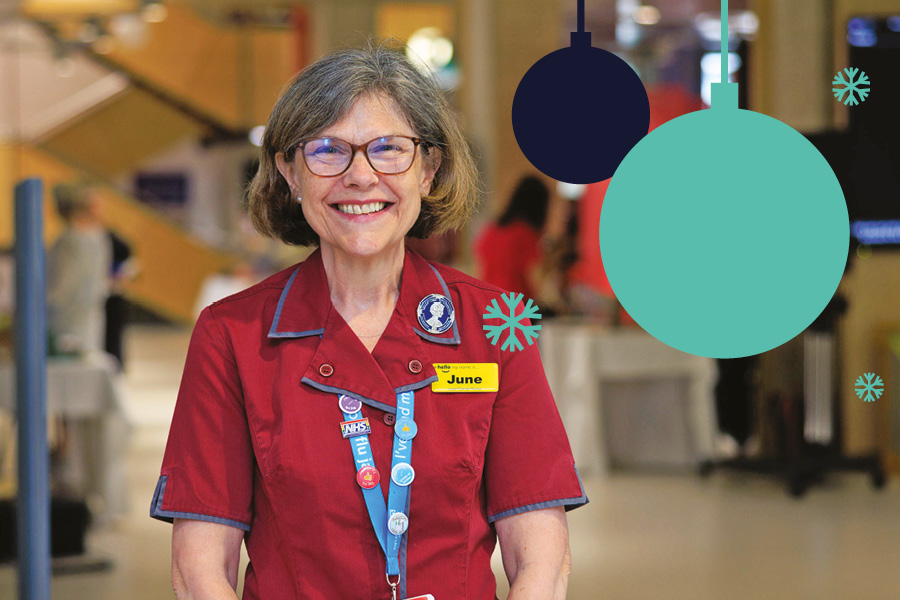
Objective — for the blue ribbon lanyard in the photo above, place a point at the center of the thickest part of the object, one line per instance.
(398, 495)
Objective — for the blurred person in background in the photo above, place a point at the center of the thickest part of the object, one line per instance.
(122, 270)
(361, 151)
(78, 285)
(590, 292)
(508, 251)
(78, 264)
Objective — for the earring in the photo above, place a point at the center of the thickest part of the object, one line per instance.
(299, 199)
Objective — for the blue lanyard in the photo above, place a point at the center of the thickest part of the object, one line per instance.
(383, 517)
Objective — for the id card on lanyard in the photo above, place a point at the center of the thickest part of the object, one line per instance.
(390, 521)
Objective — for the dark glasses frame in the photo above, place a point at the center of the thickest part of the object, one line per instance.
(355, 147)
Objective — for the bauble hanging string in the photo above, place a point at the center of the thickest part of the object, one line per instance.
(724, 232)
(579, 110)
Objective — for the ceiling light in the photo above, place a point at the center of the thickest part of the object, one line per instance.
(256, 135)
(646, 15)
(746, 23)
(129, 29)
(743, 24)
(429, 45)
(154, 11)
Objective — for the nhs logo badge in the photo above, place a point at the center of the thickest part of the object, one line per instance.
(355, 427)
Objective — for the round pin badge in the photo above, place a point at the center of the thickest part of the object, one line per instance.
(368, 477)
(435, 313)
(349, 404)
(398, 523)
(403, 474)
(405, 428)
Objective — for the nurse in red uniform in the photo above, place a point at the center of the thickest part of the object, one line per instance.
(509, 250)
(347, 418)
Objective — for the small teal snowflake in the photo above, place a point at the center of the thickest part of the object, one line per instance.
(511, 321)
(869, 388)
(851, 86)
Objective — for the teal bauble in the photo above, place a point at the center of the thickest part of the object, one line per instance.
(724, 232)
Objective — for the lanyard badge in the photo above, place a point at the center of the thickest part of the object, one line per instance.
(389, 521)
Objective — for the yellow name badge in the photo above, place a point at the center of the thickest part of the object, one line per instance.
(466, 377)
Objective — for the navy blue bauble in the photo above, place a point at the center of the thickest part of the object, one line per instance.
(578, 111)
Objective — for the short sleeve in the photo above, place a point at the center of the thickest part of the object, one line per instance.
(207, 469)
(528, 461)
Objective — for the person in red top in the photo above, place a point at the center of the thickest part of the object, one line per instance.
(509, 251)
(667, 101)
(347, 418)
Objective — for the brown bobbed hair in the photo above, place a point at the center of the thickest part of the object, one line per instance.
(320, 95)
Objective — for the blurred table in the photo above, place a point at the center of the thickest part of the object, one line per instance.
(86, 391)
(580, 358)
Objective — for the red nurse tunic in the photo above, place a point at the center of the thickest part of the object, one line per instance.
(255, 440)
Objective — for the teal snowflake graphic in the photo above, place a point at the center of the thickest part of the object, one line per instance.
(852, 85)
(511, 321)
(869, 388)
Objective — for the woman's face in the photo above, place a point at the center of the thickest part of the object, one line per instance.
(361, 234)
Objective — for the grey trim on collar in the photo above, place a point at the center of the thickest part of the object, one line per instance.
(336, 390)
(297, 334)
(568, 503)
(273, 331)
(415, 386)
(455, 339)
(368, 401)
(434, 339)
(157, 512)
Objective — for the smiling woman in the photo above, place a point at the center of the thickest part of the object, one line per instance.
(329, 91)
(298, 390)
(341, 192)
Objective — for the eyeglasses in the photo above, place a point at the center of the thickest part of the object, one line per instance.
(330, 156)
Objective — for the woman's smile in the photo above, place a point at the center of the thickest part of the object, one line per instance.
(356, 211)
(361, 209)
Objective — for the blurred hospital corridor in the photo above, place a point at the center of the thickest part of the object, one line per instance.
(644, 535)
